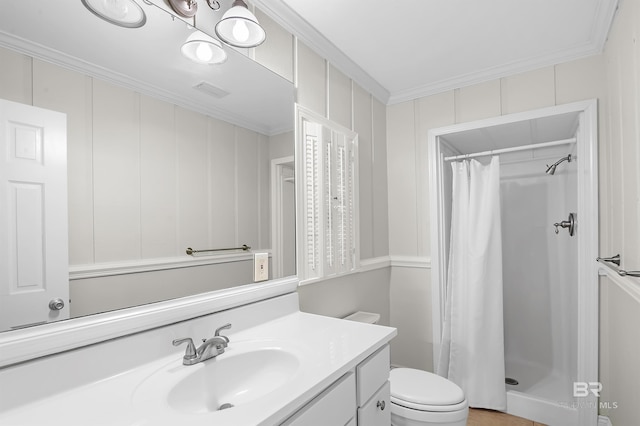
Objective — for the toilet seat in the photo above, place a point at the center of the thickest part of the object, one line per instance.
(424, 391)
(434, 408)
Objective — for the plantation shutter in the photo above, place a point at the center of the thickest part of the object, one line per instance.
(312, 154)
(330, 202)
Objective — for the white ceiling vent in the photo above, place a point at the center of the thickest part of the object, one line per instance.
(211, 90)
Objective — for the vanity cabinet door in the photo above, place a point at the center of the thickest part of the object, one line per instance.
(372, 373)
(335, 406)
(377, 411)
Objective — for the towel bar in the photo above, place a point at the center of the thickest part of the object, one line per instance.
(191, 251)
(616, 261)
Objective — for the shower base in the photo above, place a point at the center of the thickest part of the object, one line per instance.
(551, 413)
(541, 395)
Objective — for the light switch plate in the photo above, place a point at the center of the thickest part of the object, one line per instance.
(260, 267)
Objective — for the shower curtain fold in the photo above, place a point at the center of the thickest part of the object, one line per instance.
(472, 351)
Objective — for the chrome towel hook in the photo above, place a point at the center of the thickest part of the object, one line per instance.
(570, 224)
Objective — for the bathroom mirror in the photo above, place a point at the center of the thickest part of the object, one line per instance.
(239, 99)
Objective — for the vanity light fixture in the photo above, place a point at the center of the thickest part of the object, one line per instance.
(184, 8)
(124, 13)
(239, 27)
(203, 49)
(189, 8)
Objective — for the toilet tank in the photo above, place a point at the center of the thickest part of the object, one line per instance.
(366, 317)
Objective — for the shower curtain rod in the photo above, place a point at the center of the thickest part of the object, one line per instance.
(513, 149)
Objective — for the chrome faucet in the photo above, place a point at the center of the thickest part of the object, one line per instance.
(209, 348)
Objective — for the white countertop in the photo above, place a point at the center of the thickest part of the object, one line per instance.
(325, 347)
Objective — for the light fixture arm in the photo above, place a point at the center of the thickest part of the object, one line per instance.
(214, 4)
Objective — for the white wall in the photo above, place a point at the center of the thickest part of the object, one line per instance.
(610, 77)
(327, 91)
(620, 217)
(408, 124)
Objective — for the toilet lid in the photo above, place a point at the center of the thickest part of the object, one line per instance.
(423, 388)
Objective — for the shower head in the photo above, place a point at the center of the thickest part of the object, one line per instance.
(552, 168)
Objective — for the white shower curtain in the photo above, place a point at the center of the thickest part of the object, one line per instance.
(472, 352)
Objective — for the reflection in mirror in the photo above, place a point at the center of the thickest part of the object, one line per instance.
(162, 153)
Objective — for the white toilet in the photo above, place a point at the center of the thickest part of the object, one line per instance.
(420, 398)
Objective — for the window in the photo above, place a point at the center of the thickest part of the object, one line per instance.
(328, 201)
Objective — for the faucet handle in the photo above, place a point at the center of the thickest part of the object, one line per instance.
(224, 327)
(190, 353)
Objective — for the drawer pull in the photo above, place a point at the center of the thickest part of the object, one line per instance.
(380, 405)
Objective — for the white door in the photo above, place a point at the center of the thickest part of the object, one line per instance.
(34, 270)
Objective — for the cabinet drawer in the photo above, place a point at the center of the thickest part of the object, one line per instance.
(334, 406)
(377, 411)
(372, 373)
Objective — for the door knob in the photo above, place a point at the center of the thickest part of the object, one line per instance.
(56, 304)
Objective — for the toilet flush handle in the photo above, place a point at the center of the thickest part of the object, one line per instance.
(381, 405)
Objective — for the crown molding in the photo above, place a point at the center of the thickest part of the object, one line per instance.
(303, 31)
(595, 46)
(292, 22)
(495, 73)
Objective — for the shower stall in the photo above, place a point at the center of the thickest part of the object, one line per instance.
(548, 193)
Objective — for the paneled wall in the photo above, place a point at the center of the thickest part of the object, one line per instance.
(147, 179)
(408, 124)
(620, 218)
(327, 91)
(612, 79)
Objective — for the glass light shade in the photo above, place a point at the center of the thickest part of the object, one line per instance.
(203, 49)
(239, 27)
(125, 13)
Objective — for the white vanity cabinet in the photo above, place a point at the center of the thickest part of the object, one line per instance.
(334, 406)
(373, 391)
(358, 398)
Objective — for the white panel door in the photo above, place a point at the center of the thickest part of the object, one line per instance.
(34, 270)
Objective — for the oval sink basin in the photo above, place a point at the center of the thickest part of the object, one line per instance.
(229, 380)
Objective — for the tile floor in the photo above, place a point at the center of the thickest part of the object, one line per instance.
(478, 417)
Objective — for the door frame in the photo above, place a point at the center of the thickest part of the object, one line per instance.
(277, 216)
(588, 296)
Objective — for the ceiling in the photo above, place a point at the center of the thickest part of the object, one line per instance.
(406, 49)
(397, 50)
